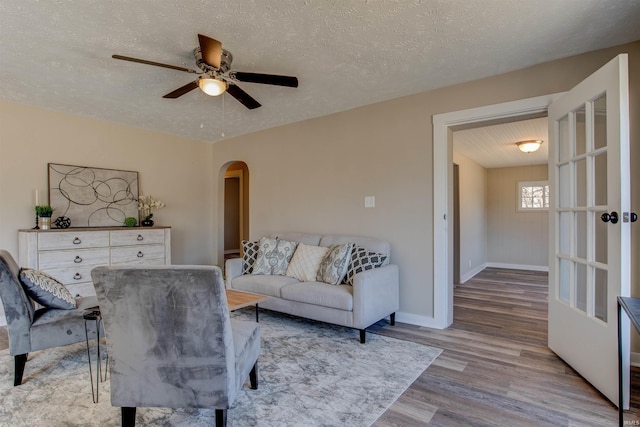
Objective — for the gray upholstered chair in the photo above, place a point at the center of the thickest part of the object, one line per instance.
(32, 329)
(170, 340)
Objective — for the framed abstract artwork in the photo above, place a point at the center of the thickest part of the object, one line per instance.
(93, 197)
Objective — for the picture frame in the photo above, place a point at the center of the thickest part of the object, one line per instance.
(93, 197)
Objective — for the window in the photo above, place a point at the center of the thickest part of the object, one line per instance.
(533, 195)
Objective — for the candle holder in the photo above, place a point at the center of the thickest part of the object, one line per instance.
(36, 227)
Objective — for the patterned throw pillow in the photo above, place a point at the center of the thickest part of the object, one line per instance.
(334, 264)
(362, 260)
(46, 290)
(274, 256)
(305, 262)
(250, 253)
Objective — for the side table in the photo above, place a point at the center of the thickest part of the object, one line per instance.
(93, 315)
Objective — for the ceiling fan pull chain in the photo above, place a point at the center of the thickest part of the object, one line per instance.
(222, 134)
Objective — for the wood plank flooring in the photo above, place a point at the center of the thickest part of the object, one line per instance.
(496, 369)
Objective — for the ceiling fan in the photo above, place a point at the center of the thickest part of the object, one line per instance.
(215, 75)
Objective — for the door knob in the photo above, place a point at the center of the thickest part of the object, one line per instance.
(613, 217)
(634, 217)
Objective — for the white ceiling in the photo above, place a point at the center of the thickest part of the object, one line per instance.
(56, 54)
(494, 146)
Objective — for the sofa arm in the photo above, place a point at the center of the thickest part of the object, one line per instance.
(232, 269)
(376, 294)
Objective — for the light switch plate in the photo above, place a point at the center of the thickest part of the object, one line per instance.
(369, 202)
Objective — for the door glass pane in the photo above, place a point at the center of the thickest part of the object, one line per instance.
(564, 233)
(581, 134)
(601, 239)
(581, 235)
(565, 280)
(600, 176)
(581, 182)
(564, 182)
(581, 287)
(600, 122)
(601, 295)
(565, 152)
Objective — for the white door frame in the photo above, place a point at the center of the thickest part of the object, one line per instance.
(442, 195)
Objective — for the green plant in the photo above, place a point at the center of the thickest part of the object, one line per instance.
(44, 211)
(130, 221)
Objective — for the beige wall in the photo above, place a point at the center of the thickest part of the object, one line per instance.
(313, 175)
(473, 216)
(174, 170)
(515, 237)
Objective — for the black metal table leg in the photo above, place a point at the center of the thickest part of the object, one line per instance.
(94, 315)
(257, 319)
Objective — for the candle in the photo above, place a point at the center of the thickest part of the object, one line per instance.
(37, 198)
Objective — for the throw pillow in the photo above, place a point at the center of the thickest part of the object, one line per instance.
(334, 264)
(305, 262)
(46, 290)
(362, 260)
(250, 253)
(274, 256)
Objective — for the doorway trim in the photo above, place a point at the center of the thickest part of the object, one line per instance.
(443, 190)
(237, 174)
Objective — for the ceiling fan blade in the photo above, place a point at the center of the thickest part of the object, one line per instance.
(242, 96)
(211, 50)
(157, 64)
(182, 90)
(267, 79)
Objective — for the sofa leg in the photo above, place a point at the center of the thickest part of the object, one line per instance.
(128, 416)
(363, 333)
(392, 318)
(21, 361)
(221, 417)
(253, 377)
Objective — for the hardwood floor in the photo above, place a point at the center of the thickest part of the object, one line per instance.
(496, 369)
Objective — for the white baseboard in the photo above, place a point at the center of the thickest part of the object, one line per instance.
(518, 266)
(418, 320)
(469, 275)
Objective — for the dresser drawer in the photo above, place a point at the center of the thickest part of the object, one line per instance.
(67, 240)
(72, 275)
(148, 254)
(137, 237)
(73, 258)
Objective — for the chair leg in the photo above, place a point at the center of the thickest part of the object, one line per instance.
(362, 336)
(392, 318)
(21, 361)
(128, 416)
(253, 377)
(221, 418)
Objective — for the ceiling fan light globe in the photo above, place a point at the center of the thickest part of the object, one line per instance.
(529, 146)
(212, 87)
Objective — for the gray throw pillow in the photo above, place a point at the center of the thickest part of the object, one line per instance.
(334, 264)
(274, 256)
(46, 290)
(362, 260)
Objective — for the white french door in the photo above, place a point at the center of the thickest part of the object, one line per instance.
(589, 245)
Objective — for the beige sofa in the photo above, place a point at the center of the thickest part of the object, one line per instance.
(373, 295)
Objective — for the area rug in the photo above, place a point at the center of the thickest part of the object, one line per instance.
(310, 374)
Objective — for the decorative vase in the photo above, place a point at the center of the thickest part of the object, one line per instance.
(44, 222)
(146, 223)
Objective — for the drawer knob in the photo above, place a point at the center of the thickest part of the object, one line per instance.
(140, 238)
(77, 276)
(77, 241)
(78, 260)
(140, 254)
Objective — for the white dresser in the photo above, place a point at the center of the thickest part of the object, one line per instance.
(70, 254)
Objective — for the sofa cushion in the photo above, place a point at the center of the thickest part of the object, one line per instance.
(334, 264)
(46, 290)
(318, 293)
(262, 284)
(274, 256)
(306, 261)
(369, 243)
(362, 260)
(250, 253)
(306, 238)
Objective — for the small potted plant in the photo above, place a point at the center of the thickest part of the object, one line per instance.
(43, 212)
(146, 206)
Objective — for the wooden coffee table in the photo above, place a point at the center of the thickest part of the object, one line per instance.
(240, 299)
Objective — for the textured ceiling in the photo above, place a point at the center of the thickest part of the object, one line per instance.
(56, 54)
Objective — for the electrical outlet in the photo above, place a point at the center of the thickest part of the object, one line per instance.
(369, 202)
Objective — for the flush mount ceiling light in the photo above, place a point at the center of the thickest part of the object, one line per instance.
(529, 146)
(212, 86)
